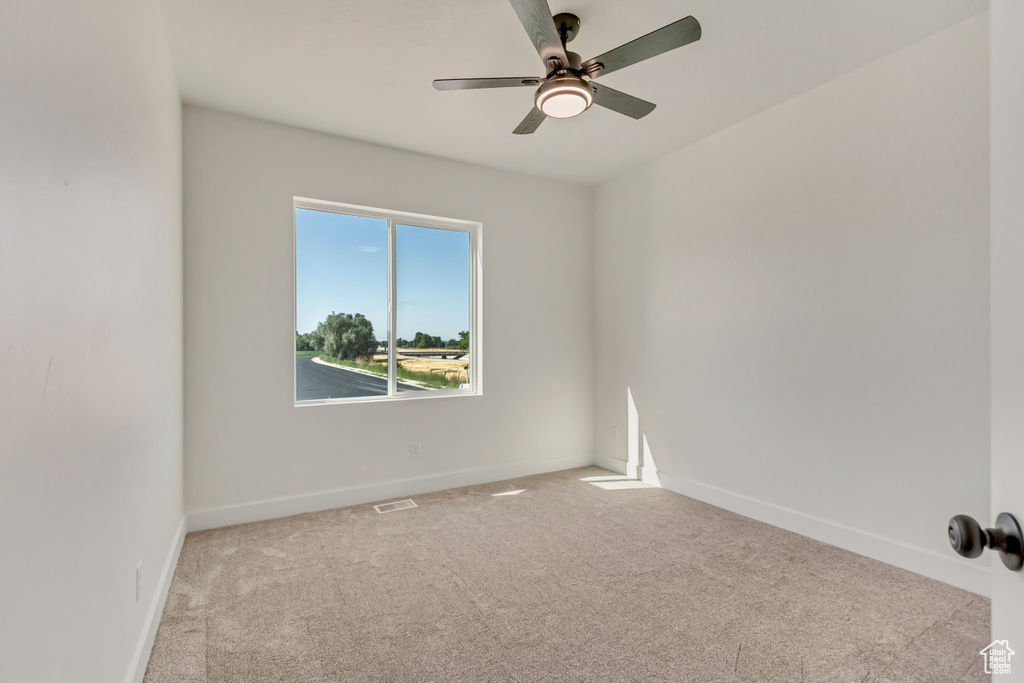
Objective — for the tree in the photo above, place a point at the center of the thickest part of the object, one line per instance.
(311, 341)
(316, 340)
(347, 337)
(464, 340)
(425, 341)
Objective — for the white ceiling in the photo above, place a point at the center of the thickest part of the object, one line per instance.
(363, 69)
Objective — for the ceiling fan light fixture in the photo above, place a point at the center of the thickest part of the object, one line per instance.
(564, 97)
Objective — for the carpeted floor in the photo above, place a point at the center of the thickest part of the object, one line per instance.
(567, 580)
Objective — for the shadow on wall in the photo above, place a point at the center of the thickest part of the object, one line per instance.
(641, 470)
(639, 459)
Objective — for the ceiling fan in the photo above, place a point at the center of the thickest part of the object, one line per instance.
(568, 89)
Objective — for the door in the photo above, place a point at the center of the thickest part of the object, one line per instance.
(1007, 233)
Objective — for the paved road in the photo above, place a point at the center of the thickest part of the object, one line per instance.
(315, 381)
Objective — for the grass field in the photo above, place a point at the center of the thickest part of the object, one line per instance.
(433, 380)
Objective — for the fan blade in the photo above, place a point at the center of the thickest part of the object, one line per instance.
(535, 16)
(478, 83)
(531, 122)
(682, 32)
(621, 102)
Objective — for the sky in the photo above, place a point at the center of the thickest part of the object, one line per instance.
(341, 265)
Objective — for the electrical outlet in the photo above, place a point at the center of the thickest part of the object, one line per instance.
(414, 450)
(615, 433)
(138, 582)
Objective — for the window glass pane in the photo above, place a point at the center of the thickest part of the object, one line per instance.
(432, 320)
(341, 305)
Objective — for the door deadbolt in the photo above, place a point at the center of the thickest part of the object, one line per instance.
(969, 539)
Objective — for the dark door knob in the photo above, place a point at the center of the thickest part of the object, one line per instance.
(969, 539)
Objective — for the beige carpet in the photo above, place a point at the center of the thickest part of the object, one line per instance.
(564, 581)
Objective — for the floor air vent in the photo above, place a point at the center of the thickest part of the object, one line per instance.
(397, 505)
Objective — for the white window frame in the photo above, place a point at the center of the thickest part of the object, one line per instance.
(395, 218)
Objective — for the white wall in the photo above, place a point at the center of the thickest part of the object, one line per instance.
(799, 305)
(246, 443)
(90, 334)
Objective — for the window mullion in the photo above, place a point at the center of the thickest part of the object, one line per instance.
(392, 312)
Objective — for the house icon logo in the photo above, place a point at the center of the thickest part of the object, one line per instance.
(997, 657)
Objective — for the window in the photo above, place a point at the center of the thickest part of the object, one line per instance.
(387, 305)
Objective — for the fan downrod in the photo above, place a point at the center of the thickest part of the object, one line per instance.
(568, 26)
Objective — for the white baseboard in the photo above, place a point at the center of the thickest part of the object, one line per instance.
(609, 463)
(286, 507)
(952, 570)
(137, 670)
(974, 578)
